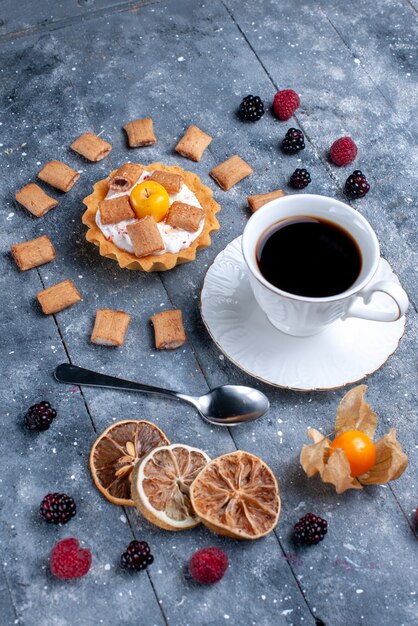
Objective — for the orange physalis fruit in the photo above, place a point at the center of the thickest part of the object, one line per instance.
(150, 198)
(359, 450)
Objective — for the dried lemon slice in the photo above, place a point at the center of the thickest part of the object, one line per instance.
(237, 495)
(116, 452)
(161, 484)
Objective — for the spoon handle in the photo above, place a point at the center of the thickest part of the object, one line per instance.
(74, 375)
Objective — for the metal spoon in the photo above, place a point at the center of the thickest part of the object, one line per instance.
(228, 405)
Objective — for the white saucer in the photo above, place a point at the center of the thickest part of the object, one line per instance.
(344, 353)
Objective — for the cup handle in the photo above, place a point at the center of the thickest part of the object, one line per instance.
(392, 289)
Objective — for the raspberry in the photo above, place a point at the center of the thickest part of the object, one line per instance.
(310, 529)
(300, 179)
(294, 141)
(40, 416)
(356, 185)
(137, 556)
(208, 565)
(68, 560)
(285, 104)
(57, 508)
(343, 151)
(251, 108)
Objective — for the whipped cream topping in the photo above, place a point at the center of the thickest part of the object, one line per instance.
(175, 239)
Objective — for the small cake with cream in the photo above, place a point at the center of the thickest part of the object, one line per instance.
(150, 217)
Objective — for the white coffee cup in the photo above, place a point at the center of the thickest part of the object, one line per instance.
(304, 316)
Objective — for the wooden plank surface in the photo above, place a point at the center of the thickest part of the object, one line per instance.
(384, 45)
(18, 19)
(186, 62)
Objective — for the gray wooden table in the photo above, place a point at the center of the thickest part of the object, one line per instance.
(72, 66)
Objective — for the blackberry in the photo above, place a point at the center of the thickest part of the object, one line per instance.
(57, 508)
(137, 556)
(40, 416)
(310, 529)
(356, 185)
(294, 141)
(300, 179)
(251, 108)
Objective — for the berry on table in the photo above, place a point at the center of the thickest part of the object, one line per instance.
(251, 108)
(68, 560)
(58, 508)
(208, 565)
(294, 141)
(310, 529)
(343, 151)
(137, 556)
(285, 104)
(40, 416)
(300, 179)
(356, 185)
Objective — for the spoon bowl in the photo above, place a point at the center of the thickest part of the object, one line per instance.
(230, 405)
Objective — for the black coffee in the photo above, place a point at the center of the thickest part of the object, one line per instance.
(308, 256)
